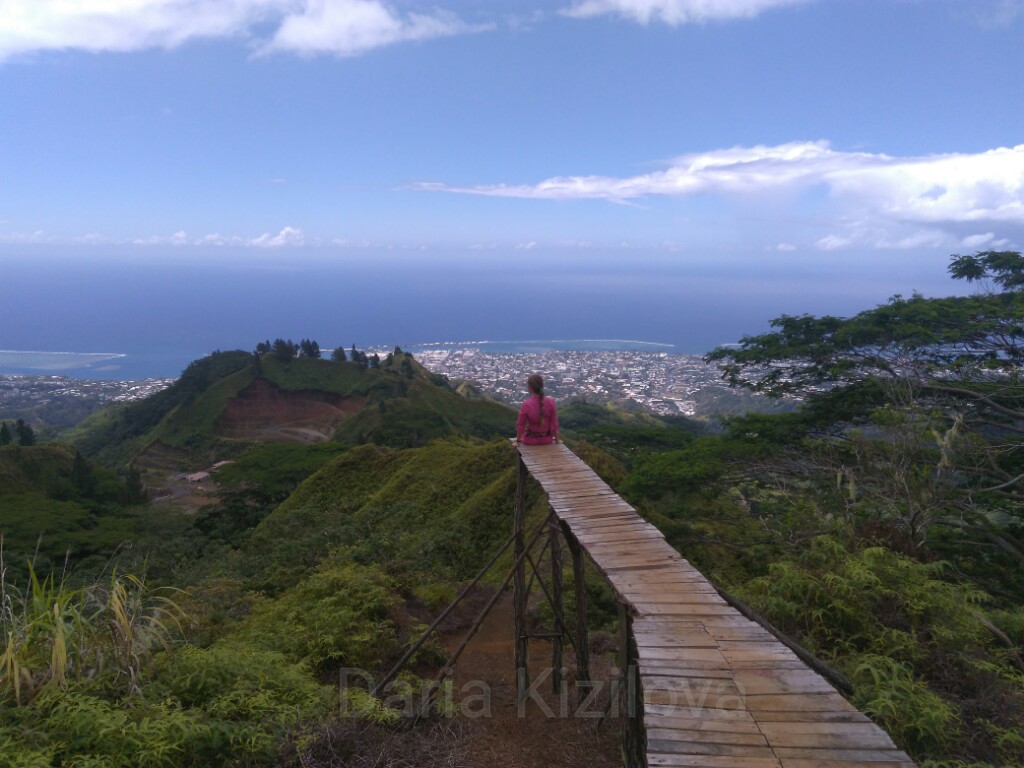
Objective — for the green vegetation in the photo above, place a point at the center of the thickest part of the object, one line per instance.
(396, 402)
(88, 677)
(57, 509)
(439, 510)
(122, 432)
(881, 524)
(241, 668)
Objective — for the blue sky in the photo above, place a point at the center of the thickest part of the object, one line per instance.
(868, 138)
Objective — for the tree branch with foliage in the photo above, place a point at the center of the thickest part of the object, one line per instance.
(946, 367)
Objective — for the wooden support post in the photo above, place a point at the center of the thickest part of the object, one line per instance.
(582, 643)
(631, 701)
(519, 585)
(556, 597)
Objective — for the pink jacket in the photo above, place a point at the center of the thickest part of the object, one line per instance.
(528, 426)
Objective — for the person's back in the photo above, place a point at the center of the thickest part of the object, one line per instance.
(538, 416)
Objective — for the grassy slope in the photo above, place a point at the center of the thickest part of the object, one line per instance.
(118, 434)
(437, 511)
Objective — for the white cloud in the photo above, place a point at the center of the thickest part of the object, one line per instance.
(675, 12)
(884, 201)
(124, 25)
(954, 187)
(39, 236)
(351, 27)
(784, 247)
(995, 13)
(287, 237)
(833, 243)
(344, 27)
(218, 239)
(977, 241)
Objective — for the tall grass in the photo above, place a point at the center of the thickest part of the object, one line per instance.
(53, 633)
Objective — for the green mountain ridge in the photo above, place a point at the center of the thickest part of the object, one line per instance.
(197, 419)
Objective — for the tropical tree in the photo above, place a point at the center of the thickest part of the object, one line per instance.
(309, 348)
(285, 350)
(945, 371)
(24, 432)
(359, 357)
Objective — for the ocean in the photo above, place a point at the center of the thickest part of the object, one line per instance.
(141, 312)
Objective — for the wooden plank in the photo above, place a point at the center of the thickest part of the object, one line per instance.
(577, 512)
(693, 640)
(712, 624)
(694, 724)
(763, 681)
(647, 549)
(791, 762)
(688, 702)
(590, 510)
(689, 596)
(605, 538)
(626, 553)
(594, 494)
(736, 620)
(682, 572)
(609, 562)
(566, 484)
(752, 633)
(695, 691)
(682, 654)
(660, 555)
(596, 532)
(796, 702)
(823, 716)
(707, 714)
(709, 761)
(757, 652)
(584, 523)
(743, 738)
(695, 748)
(616, 543)
(829, 755)
(682, 609)
(666, 581)
(598, 487)
(827, 735)
(607, 526)
(581, 498)
(700, 685)
(793, 663)
(692, 669)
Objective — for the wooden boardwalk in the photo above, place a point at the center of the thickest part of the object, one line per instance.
(718, 690)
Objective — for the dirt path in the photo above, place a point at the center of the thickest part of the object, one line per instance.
(538, 735)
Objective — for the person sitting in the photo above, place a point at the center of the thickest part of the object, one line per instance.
(538, 417)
